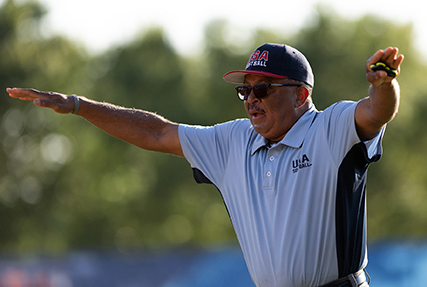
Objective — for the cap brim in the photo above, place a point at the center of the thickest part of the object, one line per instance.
(238, 77)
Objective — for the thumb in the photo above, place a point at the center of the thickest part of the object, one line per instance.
(377, 78)
(48, 103)
(60, 104)
(41, 103)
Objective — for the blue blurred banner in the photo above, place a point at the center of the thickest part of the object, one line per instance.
(391, 264)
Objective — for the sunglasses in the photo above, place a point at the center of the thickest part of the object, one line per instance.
(260, 90)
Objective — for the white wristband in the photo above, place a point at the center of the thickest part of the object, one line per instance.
(76, 104)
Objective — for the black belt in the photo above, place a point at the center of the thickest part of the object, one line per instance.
(353, 280)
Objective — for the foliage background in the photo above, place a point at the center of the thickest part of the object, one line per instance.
(66, 185)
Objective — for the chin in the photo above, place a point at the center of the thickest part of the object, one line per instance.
(258, 128)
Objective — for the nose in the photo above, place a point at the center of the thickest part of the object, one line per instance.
(252, 98)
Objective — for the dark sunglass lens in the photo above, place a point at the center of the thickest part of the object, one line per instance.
(243, 92)
(260, 90)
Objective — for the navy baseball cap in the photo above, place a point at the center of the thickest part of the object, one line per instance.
(275, 60)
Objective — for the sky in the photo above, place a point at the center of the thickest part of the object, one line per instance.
(99, 24)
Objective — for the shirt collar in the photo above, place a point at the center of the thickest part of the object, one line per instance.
(295, 136)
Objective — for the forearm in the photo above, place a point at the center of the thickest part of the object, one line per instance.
(382, 105)
(384, 102)
(373, 112)
(141, 128)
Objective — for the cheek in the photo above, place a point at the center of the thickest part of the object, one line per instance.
(281, 113)
(246, 105)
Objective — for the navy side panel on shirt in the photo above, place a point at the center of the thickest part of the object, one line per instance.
(199, 177)
(350, 208)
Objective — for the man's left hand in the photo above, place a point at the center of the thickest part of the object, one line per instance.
(389, 57)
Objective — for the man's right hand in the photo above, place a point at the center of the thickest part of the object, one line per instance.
(60, 103)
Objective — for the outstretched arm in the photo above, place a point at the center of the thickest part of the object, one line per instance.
(373, 112)
(141, 128)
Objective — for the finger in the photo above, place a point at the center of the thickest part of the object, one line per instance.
(394, 61)
(387, 56)
(14, 93)
(24, 94)
(399, 60)
(390, 55)
(374, 59)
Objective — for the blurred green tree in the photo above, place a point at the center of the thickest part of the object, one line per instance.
(33, 147)
(65, 184)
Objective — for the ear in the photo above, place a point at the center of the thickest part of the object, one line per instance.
(302, 96)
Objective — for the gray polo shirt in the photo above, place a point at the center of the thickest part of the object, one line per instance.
(298, 208)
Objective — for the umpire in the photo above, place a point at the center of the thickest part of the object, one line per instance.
(293, 178)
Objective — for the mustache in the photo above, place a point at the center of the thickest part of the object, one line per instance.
(255, 108)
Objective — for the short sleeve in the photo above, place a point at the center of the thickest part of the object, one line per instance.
(340, 129)
(207, 148)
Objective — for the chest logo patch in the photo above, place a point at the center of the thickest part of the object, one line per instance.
(301, 163)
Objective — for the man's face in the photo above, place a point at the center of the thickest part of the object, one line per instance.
(274, 115)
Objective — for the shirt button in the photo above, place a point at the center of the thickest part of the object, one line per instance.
(271, 158)
(268, 173)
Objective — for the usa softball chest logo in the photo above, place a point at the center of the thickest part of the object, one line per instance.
(258, 59)
(301, 163)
